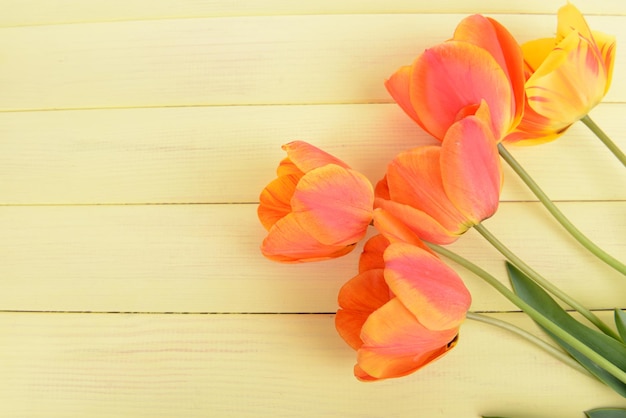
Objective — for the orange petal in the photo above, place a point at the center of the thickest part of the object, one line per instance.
(382, 189)
(372, 255)
(422, 224)
(288, 242)
(414, 179)
(334, 203)
(535, 129)
(308, 157)
(454, 75)
(431, 290)
(287, 167)
(396, 344)
(398, 85)
(394, 230)
(358, 298)
(470, 168)
(490, 35)
(275, 199)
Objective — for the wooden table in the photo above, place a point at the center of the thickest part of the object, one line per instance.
(135, 137)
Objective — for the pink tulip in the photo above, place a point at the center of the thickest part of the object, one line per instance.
(449, 81)
(318, 208)
(404, 308)
(441, 191)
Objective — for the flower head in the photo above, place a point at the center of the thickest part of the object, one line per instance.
(439, 191)
(567, 77)
(447, 82)
(316, 209)
(404, 308)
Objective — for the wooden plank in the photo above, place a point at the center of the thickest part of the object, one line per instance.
(206, 258)
(73, 365)
(21, 12)
(228, 154)
(245, 60)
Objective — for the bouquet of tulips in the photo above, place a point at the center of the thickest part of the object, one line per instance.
(475, 93)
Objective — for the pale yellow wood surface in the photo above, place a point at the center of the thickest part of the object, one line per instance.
(205, 258)
(227, 154)
(239, 60)
(76, 365)
(135, 137)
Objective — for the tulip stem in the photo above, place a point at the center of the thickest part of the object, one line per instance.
(558, 215)
(550, 349)
(612, 146)
(534, 314)
(539, 279)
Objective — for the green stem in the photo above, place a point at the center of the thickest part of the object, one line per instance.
(550, 349)
(558, 215)
(612, 146)
(534, 314)
(539, 279)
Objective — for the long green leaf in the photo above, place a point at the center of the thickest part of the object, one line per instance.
(620, 322)
(608, 347)
(606, 413)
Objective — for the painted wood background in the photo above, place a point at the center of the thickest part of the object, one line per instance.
(135, 137)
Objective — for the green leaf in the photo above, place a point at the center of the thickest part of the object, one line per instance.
(608, 347)
(606, 413)
(620, 322)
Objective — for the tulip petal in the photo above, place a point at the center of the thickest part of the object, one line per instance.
(422, 224)
(570, 19)
(569, 82)
(398, 85)
(490, 35)
(287, 167)
(275, 199)
(394, 230)
(470, 168)
(414, 179)
(382, 189)
(429, 289)
(288, 242)
(536, 51)
(396, 344)
(334, 203)
(535, 129)
(606, 46)
(308, 157)
(358, 298)
(453, 75)
(372, 256)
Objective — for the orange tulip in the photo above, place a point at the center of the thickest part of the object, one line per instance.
(567, 77)
(318, 208)
(482, 62)
(441, 191)
(404, 309)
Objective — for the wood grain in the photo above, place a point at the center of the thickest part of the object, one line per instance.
(22, 13)
(231, 61)
(206, 258)
(228, 154)
(73, 365)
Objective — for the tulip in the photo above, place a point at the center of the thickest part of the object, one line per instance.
(447, 82)
(567, 77)
(441, 191)
(404, 308)
(318, 207)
